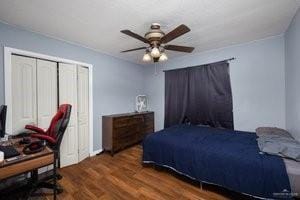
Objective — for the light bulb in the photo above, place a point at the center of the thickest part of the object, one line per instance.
(147, 57)
(163, 57)
(155, 52)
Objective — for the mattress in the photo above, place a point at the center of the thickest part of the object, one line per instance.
(293, 172)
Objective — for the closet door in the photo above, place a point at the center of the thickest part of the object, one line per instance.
(68, 94)
(23, 93)
(83, 112)
(46, 92)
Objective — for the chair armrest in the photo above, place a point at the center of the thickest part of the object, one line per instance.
(35, 129)
(44, 137)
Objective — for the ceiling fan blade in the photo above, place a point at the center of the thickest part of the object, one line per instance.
(133, 49)
(134, 35)
(179, 48)
(180, 30)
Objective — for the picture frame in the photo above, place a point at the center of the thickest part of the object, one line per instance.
(141, 103)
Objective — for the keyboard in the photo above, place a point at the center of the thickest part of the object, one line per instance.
(9, 151)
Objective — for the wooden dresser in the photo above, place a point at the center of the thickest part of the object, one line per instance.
(123, 130)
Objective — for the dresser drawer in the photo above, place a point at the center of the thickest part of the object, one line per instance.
(120, 122)
(149, 117)
(124, 132)
(148, 130)
(148, 125)
(141, 136)
(124, 142)
(136, 120)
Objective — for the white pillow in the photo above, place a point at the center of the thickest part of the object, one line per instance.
(262, 131)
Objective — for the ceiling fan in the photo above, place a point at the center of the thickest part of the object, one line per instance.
(157, 42)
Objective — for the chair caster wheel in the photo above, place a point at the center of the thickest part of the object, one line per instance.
(59, 189)
(59, 177)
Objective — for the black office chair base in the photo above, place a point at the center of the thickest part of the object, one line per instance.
(48, 175)
(45, 180)
(46, 185)
(42, 185)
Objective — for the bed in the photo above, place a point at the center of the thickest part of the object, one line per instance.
(223, 157)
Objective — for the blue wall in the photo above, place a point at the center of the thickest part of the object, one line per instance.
(264, 89)
(115, 82)
(257, 80)
(292, 58)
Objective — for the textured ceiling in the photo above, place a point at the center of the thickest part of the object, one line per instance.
(97, 23)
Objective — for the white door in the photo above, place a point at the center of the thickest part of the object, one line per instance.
(68, 94)
(23, 93)
(46, 92)
(83, 112)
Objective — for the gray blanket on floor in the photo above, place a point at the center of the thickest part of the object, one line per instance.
(279, 145)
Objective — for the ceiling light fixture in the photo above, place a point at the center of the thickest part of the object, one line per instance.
(147, 57)
(155, 53)
(157, 42)
(163, 57)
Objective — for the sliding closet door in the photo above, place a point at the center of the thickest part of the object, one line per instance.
(83, 112)
(68, 94)
(46, 92)
(23, 93)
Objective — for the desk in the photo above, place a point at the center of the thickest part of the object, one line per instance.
(27, 163)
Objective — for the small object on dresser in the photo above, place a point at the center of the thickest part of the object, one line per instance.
(141, 103)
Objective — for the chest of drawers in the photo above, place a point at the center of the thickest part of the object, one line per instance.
(123, 130)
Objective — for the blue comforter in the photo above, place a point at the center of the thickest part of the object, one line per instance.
(224, 157)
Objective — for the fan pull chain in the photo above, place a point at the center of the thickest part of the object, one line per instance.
(155, 69)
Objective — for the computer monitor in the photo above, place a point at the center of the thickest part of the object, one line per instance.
(3, 110)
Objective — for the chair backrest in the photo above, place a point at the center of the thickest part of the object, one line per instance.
(3, 110)
(59, 124)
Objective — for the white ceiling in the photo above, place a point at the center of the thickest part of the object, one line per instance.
(97, 23)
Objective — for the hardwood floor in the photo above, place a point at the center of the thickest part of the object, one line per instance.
(124, 177)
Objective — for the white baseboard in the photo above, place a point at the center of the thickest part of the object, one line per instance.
(96, 152)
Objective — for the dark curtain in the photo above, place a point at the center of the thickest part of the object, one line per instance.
(176, 94)
(203, 96)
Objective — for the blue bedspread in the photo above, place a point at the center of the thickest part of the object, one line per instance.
(224, 157)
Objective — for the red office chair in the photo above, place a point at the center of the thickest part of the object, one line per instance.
(53, 136)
